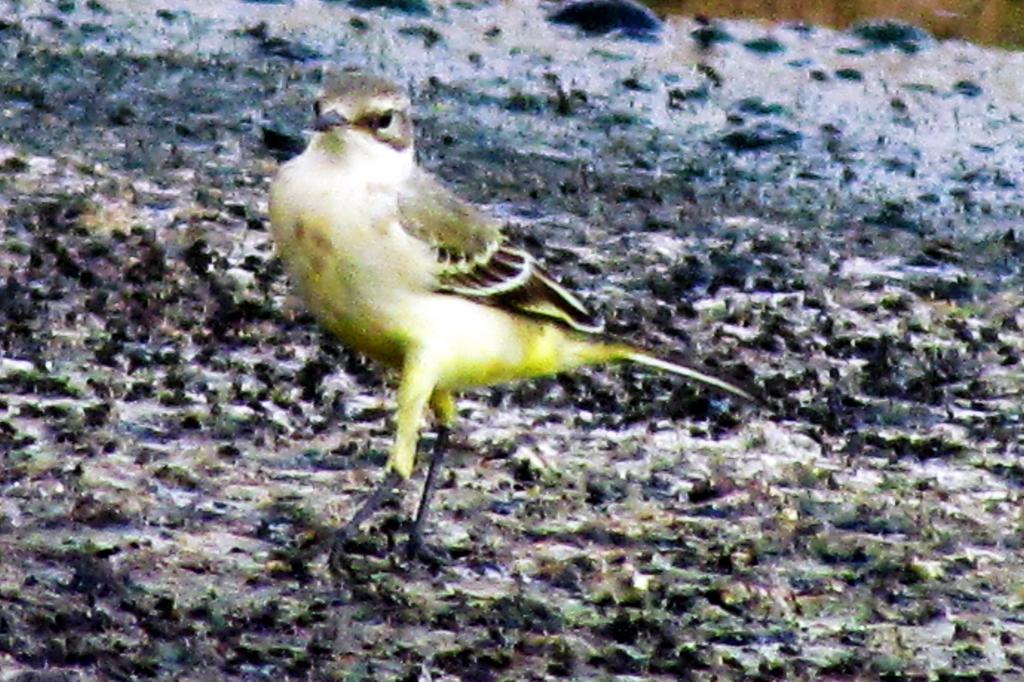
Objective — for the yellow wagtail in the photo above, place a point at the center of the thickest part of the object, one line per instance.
(402, 270)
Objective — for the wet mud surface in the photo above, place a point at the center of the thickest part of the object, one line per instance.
(833, 217)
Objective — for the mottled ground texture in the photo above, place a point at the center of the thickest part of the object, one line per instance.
(835, 217)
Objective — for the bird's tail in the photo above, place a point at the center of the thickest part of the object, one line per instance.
(642, 358)
(611, 352)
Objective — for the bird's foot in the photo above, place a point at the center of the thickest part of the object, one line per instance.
(433, 557)
(338, 552)
(337, 557)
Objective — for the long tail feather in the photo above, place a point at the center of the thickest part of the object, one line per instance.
(585, 351)
(642, 358)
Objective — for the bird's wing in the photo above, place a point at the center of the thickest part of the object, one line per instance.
(475, 262)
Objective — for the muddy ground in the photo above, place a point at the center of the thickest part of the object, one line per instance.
(834, 217)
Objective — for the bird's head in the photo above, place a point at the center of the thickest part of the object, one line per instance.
(363, 115)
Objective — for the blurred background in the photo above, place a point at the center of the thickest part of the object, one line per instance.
(990, 22)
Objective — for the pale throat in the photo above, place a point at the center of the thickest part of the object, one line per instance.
(373, 161)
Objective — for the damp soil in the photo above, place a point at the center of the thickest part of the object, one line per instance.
(833, 217)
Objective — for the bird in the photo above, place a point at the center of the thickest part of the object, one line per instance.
(400, 269)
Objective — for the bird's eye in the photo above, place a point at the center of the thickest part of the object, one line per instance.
(381, 121)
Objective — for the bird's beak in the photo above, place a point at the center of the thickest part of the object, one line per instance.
(328, 120)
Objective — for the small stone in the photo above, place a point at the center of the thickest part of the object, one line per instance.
(765, 46)
(602, 17)
(880, 35)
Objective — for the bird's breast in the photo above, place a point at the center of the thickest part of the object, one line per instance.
(354, 266)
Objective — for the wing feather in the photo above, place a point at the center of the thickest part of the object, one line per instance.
(474, 261)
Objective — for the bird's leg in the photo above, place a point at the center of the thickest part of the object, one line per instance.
(379, 497)
(345, 533)
(414, 392)
(416, 548)
(443, 405)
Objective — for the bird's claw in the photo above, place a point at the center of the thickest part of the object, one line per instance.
(337, 556)
(433, 557)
